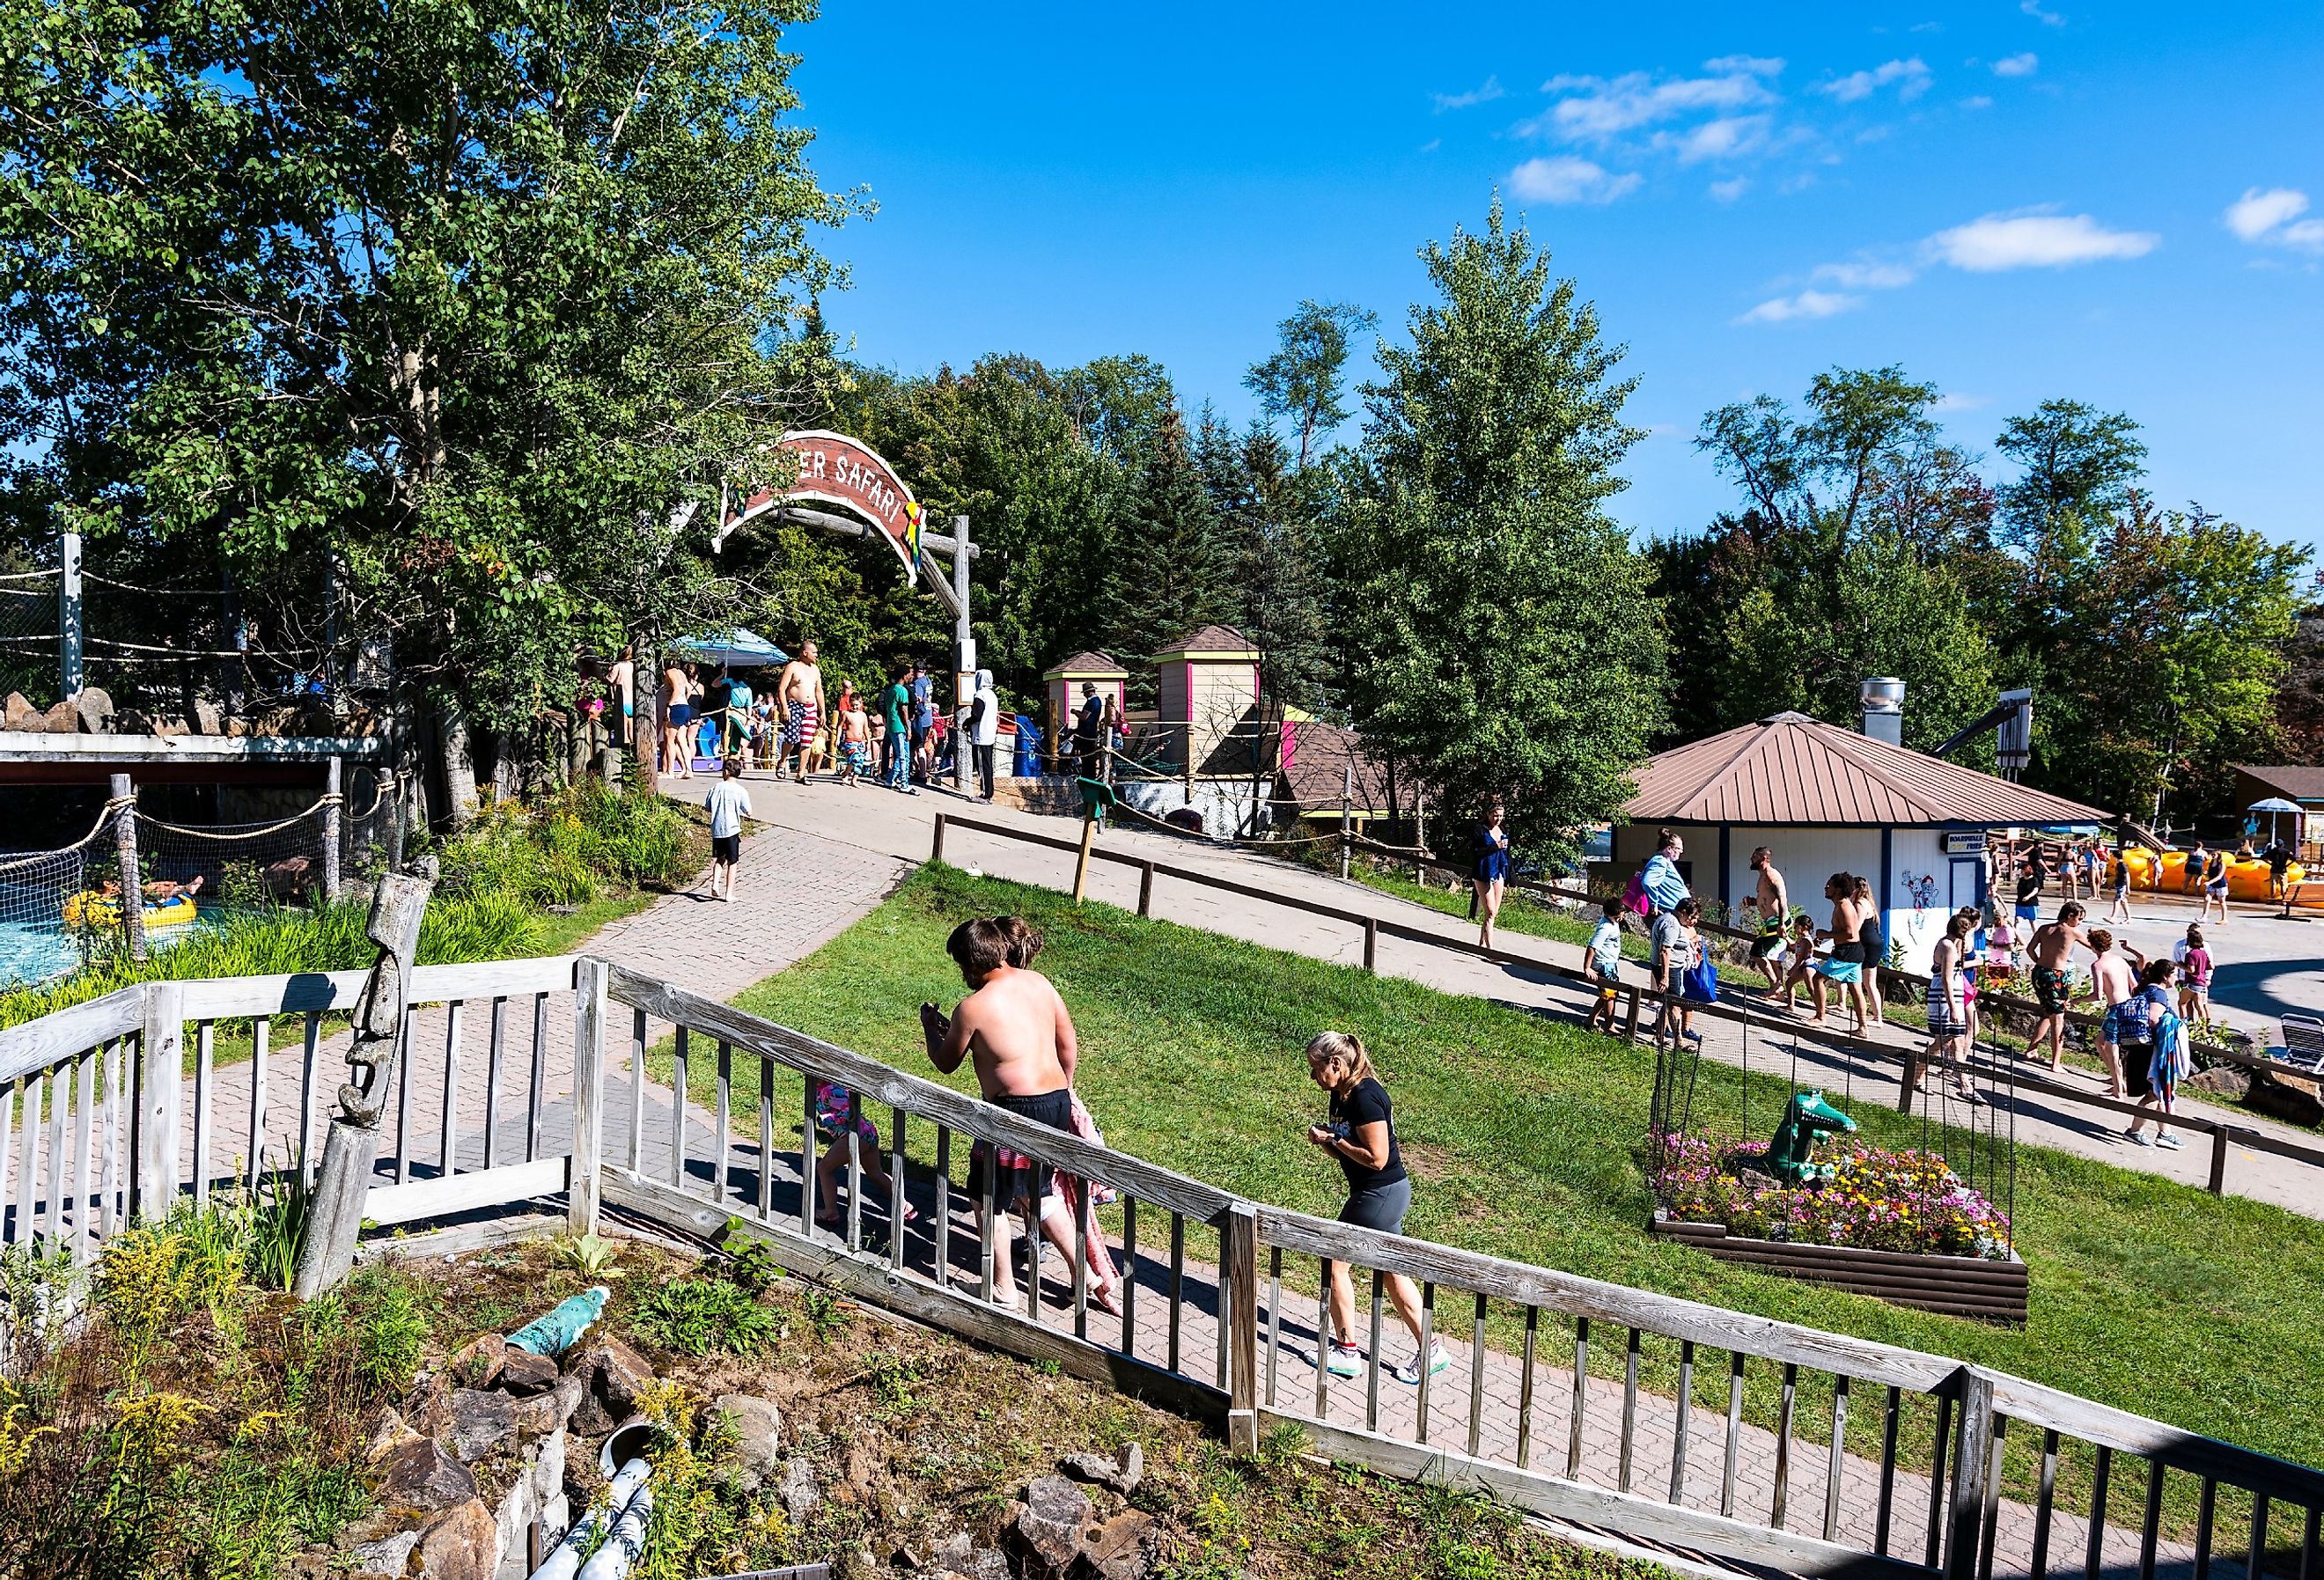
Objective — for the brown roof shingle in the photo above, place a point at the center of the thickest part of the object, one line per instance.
(1316, 774)
(2292, 781)
(1084, 663)
(1211, 639)
(1791, 769)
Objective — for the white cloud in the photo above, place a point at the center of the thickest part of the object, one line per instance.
(1567, 179)
(2271, 219)
(1727, 192)
(1999, 242)
(1486, 93)
(1913, 76)
(1595, 108)
(2024, 65)
(2032, 8)
(1723, 138)
(1865, 276)
(1807, 304)
(1977, 101)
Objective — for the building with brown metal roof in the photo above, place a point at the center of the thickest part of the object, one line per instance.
(1826, 799)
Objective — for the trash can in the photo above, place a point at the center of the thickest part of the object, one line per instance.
(1028, 748)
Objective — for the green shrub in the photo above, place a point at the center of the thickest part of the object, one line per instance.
(702, 1317)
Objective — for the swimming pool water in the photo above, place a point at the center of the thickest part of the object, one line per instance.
(32, 952)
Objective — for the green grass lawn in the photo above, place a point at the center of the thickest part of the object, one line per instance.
(1524, 1134)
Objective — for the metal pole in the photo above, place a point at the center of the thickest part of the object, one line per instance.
(69, 616)
(125, 840)
(1347, 806)
(963, 639)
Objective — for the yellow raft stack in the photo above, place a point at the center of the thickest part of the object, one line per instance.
(92, 908)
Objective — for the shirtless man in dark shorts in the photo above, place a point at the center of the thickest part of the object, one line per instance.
(1774, 916)
(1020, 1035)
(2052, 943)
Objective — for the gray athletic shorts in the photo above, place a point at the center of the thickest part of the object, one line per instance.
(1382, 1207)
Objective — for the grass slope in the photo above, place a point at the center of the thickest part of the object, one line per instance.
(1524, 1135)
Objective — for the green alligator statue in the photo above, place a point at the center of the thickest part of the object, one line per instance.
(1807, 1116)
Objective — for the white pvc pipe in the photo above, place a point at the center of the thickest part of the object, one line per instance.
(564, 1563)
(627, 1540)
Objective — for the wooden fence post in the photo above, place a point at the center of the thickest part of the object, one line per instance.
(1965, 1511)
(1630, 1027)
(2218, 1182)
(161, 1055)
(583, 1187)
(395, 820)
(1371, 943)
(1146, 888)
(334, 778)
(1238, 1267)
(133, 888)
(935, 841)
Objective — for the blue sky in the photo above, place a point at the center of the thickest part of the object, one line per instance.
(2015, 199)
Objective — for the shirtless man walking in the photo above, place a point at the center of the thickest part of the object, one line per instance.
(2052, 943)
(800, 703)
(2115, 975)
(1775, 913)
(1021, 1038)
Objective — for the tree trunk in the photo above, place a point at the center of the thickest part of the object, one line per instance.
(459, 764)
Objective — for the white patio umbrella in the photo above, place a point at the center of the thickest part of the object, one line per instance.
(2275, 806)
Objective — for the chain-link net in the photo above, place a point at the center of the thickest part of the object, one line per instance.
(28, 632)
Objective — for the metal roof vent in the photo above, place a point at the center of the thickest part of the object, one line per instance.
(1884, 709)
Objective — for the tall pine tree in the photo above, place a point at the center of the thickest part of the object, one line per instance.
(1171, 572)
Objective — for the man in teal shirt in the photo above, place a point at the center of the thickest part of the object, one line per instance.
(896, 711)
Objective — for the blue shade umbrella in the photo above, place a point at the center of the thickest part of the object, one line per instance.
(737, 649)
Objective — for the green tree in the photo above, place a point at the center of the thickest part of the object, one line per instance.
(1303, 380)
(1170, 573)
(2075, 460)
(1505, 640)
(474, 298)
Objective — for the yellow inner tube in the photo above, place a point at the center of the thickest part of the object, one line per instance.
(93, 908)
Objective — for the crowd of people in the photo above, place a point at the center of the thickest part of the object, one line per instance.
(2146, 1008)
(795, 726)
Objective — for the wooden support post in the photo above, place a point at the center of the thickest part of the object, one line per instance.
(1238, 1267)
(2219, 1181)
(1972, 1465)
(161, 1056)
(1347, 809)
(334, 778)
(1371, 943)
(395, 820)
(1082, 867)
(584, 1187)
(1631, 1025)
(935, 841)
(133, 888)
(1146, 888)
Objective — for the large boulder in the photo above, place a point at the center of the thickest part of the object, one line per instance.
(463, 1543)
(1119, 1471)
(481, 1422)
(548, 1412)
(95, 707)
(1124, 1547)
(477, 1363)
(16, 714)
(614, 1372)
(2286, 1097)
(1046, 1531)
(416, 1473)
(63, 719)
(522, 1372)
(758, 1431)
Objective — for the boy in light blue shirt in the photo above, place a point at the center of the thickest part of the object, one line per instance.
(728, 804)
(1602, 962)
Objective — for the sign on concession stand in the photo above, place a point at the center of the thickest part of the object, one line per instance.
(834, 469)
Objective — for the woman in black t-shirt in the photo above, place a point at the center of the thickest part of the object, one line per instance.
(1362, 1135)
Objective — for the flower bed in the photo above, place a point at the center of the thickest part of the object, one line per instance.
(1876, 1199)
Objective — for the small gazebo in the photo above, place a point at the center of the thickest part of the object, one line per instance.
(1064, 682)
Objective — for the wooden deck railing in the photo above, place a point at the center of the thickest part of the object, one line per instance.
(1591, 1401)
(2224, 1133)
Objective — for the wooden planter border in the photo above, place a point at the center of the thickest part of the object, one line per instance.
(1953, 1286)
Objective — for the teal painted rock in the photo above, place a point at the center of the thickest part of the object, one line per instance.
(554, 1331)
